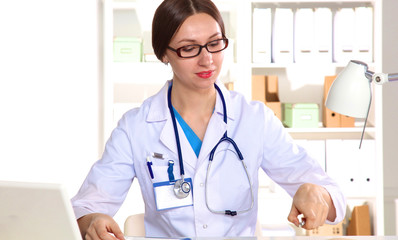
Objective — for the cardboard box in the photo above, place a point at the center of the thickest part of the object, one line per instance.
(276, 107)
(301, 115)
(327, 230)
(265, 89)
(271, 89)
(346, 121)
(127, 49)
(258, 88)
(360, 221)
(329, 117)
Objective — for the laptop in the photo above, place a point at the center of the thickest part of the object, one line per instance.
(39, 211)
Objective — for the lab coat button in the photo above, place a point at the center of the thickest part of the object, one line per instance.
(204, 226)
(201, 184)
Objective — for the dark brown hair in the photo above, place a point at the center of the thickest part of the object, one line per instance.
(170, 15)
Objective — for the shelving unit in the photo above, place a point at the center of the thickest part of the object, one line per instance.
(120, 78)
(291, 74)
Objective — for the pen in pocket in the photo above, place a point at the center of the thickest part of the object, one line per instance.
(149, 165)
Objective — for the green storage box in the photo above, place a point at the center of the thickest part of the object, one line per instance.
(127, 49)
(301, 115)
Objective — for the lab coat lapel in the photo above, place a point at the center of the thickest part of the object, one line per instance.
(215, 130)
(167, 135)
(159, 112)
(216, 127)
(169, 140)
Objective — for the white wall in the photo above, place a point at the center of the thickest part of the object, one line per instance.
(390, 113)
(49, 90)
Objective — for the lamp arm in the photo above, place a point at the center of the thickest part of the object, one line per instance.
(393, 77)
(381, 78)
(369, 74)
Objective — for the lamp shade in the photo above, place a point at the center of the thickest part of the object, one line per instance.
(350, 93)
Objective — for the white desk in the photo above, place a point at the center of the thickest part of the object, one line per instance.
(277, 238)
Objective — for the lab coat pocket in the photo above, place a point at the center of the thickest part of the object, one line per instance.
(160, 173)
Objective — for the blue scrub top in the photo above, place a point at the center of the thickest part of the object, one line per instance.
(193, 139)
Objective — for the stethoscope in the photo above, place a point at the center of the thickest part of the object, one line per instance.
(182, 188)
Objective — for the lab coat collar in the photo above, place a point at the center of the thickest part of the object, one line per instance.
(158, 111)
(219, 107)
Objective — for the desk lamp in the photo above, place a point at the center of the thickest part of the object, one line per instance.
(351, 95)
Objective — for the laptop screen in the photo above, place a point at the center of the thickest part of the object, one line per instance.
(36, 211)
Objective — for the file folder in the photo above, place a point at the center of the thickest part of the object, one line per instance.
(344, 35)
(364, 34)
(323, 28)
(304, 35)
(262, 35)
(282, 36)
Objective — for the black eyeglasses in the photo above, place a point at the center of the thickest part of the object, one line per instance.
(194, 50)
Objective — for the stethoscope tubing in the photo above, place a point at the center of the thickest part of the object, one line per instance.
(229, 212)
(224, 138)
(173, 118)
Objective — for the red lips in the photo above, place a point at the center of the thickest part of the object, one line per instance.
(205, 74)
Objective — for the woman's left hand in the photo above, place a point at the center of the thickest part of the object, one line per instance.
(315, 203)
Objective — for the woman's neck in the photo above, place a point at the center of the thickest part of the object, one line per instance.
(194, 106)
(188, 100)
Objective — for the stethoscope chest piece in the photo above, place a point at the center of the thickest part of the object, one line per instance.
(182, 188)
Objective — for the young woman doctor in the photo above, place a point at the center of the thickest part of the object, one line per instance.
(196, 147)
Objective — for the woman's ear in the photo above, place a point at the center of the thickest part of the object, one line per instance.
(165, 60)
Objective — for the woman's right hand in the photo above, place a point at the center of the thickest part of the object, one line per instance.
(98, 226)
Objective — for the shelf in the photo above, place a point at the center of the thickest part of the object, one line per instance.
(331, 133)
(300, 2)
(317, 64)
(312, 1)
(124, 5)
(287, 65)
(222, 5)
(133, 72)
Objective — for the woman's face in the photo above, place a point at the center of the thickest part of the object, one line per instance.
(198, 72)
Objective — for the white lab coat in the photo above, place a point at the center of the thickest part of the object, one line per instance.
(260, 137)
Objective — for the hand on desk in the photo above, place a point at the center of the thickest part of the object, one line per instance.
(315, 203)
(98, 226)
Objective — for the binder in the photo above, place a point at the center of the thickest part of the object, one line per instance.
(282, 36)
(261, 35)
(344, 35)
(304, 35)
(351, 167)
(323, 35)
(364, 34)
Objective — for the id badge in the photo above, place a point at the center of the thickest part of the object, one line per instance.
(166, 199)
